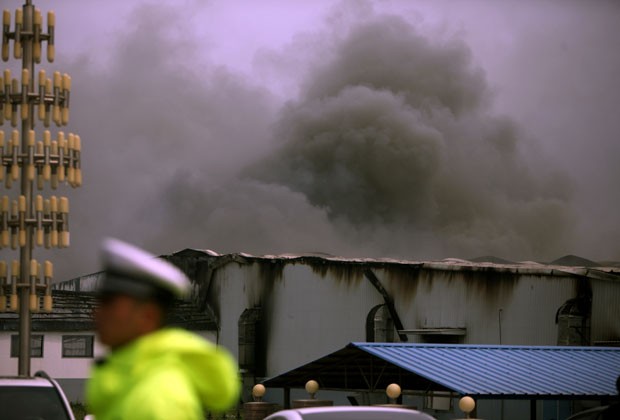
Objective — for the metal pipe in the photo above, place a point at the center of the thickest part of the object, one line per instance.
(26, 190)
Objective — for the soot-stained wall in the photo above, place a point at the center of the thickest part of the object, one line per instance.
(313, 305)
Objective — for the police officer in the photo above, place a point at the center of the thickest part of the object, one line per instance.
(152, 371)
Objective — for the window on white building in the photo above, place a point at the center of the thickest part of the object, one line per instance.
(36, 345)
(77, 345)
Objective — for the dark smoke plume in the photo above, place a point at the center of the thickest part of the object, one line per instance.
(389, 146)
(396, 133)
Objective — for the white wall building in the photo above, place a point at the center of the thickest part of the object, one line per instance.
(63, 343)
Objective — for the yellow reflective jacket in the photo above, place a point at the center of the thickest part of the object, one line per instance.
(168, 374)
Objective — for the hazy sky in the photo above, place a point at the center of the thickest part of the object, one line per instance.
(407, 129)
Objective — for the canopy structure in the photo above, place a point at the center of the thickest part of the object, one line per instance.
(483, 371)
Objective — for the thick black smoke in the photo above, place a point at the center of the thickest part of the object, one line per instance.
(396, 133)
(389, 146)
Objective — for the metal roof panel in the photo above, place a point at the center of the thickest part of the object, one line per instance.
(494, 370)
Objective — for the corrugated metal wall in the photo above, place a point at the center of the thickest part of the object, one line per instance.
(605, 322)
(311, 308)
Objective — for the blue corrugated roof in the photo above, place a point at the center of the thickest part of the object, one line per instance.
(494, 370)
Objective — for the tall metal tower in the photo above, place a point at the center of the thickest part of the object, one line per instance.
(35, 161)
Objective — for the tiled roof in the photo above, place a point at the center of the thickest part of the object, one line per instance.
(72, 311)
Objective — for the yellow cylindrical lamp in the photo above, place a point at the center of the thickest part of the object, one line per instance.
(64, 234)
(56, 107)
(65, 239)
(48, 269)
(15, 147)
(54, 238)
(48, 273)
(71, 168)
(54, 148)
(14, 302)
(62, 148)
(25, 83)
(6, 23)
(78, 169)
(7, 89)
(36, 46)
(22, 204)
(71, 176)
(34, 303)
(5, 238)
(48, 91)
(41, 95)
(40, 236)
(47, 143)
(4, 235)
(39, 210)
(34, 273)
(31, 168)
(47, 303)
(65, 116)
(51, 23)
(66, 82)
(14, 275)
(56, 114)
(34, 268)
(66, 87)
(64, 205)
(78, 177)
(17, 52)
(3, 303)
(40, 182)
(54, 152)
(22, 220)
(57, 80)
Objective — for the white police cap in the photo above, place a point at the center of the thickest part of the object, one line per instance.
(135, 272)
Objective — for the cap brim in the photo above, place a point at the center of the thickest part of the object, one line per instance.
(117, 285)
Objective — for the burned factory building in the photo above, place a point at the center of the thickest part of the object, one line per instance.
(279, 312)
(323, 302)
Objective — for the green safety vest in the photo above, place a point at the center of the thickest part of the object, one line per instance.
(168, 374)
